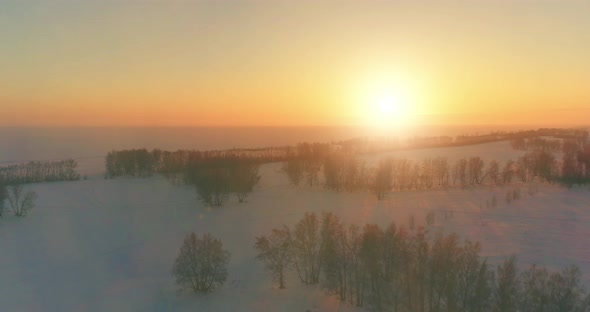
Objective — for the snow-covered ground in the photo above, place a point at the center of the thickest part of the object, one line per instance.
(109, 245)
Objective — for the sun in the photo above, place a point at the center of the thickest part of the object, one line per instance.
(389, 108)
(387, 100)
(387, 104)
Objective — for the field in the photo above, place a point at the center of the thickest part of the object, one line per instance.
(109, 245)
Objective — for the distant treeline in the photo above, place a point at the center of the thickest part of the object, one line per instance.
(335, 168)
(143, 163)
(536, 143)
(574, 167)
(37, 171)
(364, 145)
(343, 171)
(575, 164)
(396, 269)
(347, 172)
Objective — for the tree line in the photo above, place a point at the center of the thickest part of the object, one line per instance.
(215, 174)
(364, 145)
(575, 164)
(395, 269)
(347, 172)
(38, 171)
(343, 170)
(143, 163)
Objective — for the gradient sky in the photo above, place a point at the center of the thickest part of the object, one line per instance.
(204, 63)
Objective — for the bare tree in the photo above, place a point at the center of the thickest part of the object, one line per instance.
(294, 168)
(441, 171)
(460, 172)
(566, 290)
(507, 172)
(506, 286)
(308, 249)
(370, 254)
(473, 289)
(493, 171)
(475, 169)
(402, 170)
(275, 252)
(201, 264)
(355, 174)
(21, 202)
(335, 256)
(334, 172)
(535, 289)
(383, 178)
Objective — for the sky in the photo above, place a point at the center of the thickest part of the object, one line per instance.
(293, 63)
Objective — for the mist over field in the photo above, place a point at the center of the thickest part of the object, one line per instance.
(100, 244)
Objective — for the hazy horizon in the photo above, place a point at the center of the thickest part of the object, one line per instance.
(23, 144)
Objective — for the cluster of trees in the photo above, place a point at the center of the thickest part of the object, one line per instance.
(575, 164)
(37, 171)
(134, 162)
(536, 143)
(20, 202)
(346, 172)
(393, 269)
(201, 264)
(215, 179)
(343, 171)
(574, 167)
(141, 162)
(305, 162)
(215, 174)
(405, 174)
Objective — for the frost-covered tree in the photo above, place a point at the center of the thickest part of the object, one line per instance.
(275, 251)
(507, 172)
(475, 170)
(308, 249)
(335, 255)
(506, 286)
(460, 172)
(201, 264)
(294, 168)
(493, 171)
(383, 179)
(20, 201)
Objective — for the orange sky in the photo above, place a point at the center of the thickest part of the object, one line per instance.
(195, 63)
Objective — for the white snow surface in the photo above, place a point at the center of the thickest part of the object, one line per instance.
(109, 245)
